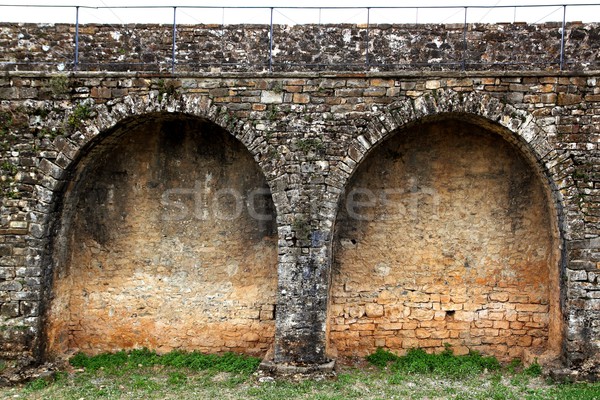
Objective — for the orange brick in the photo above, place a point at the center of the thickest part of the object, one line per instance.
(382, 82)
(301, 98)
(292, 88)
(440, 334)
(362, 327)
(430, 343)
(373, 310)
(409, 343)
(390, 326)
(501, 324)
(422, 333)
(499, 296)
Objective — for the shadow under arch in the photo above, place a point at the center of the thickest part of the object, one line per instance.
(163, 237)
(398, 179)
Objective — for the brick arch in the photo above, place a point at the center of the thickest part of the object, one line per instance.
(520, 129)
(108, 124)
(107, 117)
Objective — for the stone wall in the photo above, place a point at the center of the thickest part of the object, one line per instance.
(382, 47)
(157, 245)
(445, 236)
(312, 136)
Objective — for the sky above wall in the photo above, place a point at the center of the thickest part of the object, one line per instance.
(412, 11)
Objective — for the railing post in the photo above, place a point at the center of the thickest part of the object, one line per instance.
(464, 55)
(367, 38)
(174, 38)
(222, 41)
(271, 42)
(76, 63)
(562, 38)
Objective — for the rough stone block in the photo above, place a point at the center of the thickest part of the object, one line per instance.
(9, 310)
(268, 97)
(373, 310)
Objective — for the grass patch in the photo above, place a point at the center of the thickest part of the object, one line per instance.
(36, 384)
(59, 84)
(80, 113)
(515, 365)
(418, 361)
(144, 374)
(177, 378)
(311, 144)
(533, 370)
(575, 391)
(382, 357)
(122, 361)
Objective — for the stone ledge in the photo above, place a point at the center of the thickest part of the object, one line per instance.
(303, 74)
(567, 375)
(291, 369)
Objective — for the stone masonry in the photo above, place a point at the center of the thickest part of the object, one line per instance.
(344, 47)
(157, 250)
(448, 261)
(315, 213)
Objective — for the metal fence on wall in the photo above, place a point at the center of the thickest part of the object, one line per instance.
(260, 34)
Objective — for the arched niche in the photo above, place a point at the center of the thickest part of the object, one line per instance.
(447, 232)
(165, 238)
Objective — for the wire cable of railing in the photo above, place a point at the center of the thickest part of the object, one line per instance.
(417, 8)
(298, 7)
(549, 14)
(277, 10)
(489, 11)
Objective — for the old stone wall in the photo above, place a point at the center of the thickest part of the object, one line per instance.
(142, 47)
(511, 155)
(158, 248)
(444, 236)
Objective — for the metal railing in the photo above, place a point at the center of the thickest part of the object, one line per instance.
(368, 24)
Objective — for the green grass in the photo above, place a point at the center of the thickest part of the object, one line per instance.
(445, 364)
(126, 361)
(80, 113)
(533, 370)
(180, 375)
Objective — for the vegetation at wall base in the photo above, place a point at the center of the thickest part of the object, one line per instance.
(180, 375)
(443, 364)
(125, 361)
